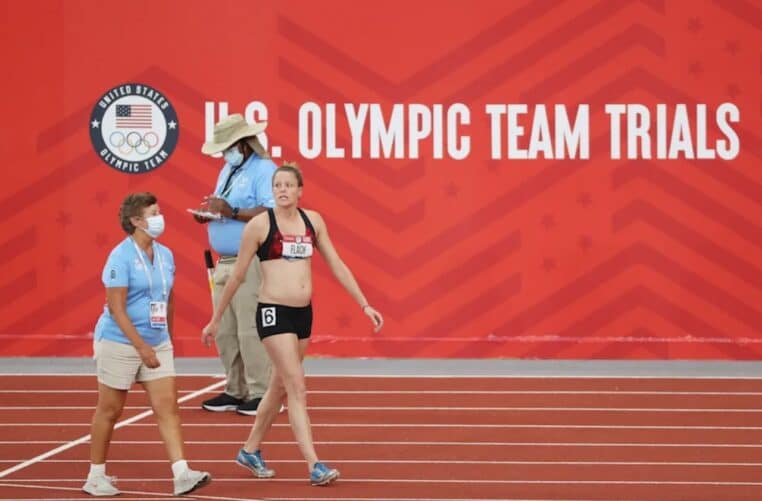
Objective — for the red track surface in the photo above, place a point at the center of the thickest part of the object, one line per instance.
(416, 438)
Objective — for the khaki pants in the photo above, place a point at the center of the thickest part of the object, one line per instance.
(247, 366)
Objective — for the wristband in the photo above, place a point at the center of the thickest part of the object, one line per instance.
(234, 214)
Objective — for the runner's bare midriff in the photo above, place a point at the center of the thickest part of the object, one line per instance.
(286, 282)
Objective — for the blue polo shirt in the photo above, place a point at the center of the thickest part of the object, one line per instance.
(125, 269)
(251, 186)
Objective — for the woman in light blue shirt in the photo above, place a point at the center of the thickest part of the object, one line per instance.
(133, 343)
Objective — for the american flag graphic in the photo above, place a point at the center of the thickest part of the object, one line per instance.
(133, 116)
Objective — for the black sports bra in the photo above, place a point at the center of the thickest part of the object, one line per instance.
(278, 245)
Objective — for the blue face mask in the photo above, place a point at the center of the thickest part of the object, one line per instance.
(233, 156)
(155, 226)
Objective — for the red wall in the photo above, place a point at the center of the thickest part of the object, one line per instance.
(597, 258)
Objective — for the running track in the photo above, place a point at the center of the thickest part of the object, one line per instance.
(412, 438)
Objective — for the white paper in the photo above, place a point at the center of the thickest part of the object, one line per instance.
(203, 213)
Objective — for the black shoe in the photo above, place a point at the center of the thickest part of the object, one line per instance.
(249, 407)
(221, 403)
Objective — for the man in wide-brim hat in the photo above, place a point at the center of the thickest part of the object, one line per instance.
(232, 129)
(243, 190)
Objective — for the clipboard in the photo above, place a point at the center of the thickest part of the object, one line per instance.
(203, 213)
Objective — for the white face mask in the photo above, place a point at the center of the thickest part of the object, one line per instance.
(155, 226)
(233, 156)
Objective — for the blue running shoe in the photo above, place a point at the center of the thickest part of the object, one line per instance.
(254, 463)
(322, 475)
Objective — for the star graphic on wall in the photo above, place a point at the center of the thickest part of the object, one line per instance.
(343, 321)
(100, 239)
(101, 197)
(548, 264)
(64, 262)
(695, 25)
(585, 242)
(493, 165)
(172, 124)
(64, 219)
(695, 68)
(95, 124)
(732, 47)
(451, 190)
(585, 200)
(548, 221)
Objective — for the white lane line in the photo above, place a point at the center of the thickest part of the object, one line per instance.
(86, 438)
(92, 374)
(160, 496)
(95, 392)
(464, 392)
(521, 409)
(333, 498)
(406, 443)
(421, 408)
(560, 375)
(195, 495)
(85, 498)
(301, 480)
(535, 392)
(427, 425)
(425, 461)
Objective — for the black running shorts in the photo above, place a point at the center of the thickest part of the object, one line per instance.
(278, 319)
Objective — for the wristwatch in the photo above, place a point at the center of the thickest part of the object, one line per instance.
(234, 214)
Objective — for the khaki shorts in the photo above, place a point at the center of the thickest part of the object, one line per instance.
(119, 365)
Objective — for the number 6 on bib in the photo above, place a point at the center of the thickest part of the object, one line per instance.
(268, 317)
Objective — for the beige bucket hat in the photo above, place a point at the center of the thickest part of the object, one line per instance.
(229, 130)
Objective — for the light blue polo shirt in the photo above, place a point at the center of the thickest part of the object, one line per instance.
(251, 186)
(125, 269)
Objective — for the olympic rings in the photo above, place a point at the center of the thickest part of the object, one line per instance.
(136, 139)
(133, 141)
(116, 139)
(155, 139)
(142, 148)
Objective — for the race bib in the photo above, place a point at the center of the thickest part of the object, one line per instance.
(158, 312)
(297, 247)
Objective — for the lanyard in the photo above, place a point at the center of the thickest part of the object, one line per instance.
(157, 255)
(228, 186)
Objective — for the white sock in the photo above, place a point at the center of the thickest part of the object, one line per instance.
(178, 467)
(97, 470)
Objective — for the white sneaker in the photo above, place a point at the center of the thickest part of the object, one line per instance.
(190, 480)
(100, 485)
